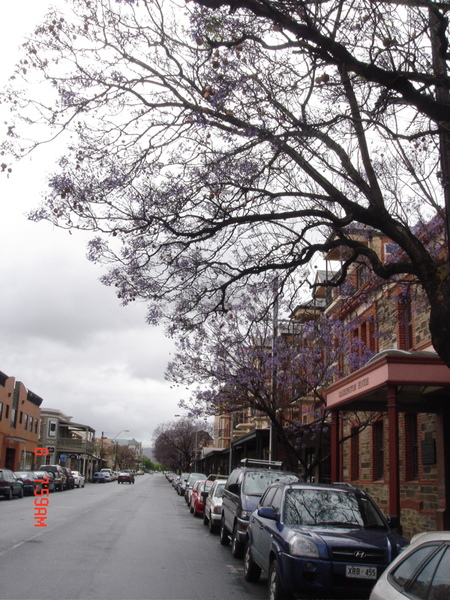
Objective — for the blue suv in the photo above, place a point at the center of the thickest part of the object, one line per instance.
(323, 540)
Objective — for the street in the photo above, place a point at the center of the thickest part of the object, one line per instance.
(115, 541)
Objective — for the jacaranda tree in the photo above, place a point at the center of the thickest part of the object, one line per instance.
(211, 144)
(174, 443)
(238, 364)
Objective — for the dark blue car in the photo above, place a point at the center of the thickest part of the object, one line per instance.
(322, 540)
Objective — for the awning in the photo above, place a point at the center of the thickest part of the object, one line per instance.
(421, 379)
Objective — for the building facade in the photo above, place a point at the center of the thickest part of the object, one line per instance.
(69, 444)
(400, 397)
(20, 417)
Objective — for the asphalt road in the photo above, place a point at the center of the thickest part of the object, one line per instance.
(111, 541)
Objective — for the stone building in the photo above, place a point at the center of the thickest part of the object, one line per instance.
(400, 456)
(70, 444)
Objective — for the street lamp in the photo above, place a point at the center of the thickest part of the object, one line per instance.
(115, 447)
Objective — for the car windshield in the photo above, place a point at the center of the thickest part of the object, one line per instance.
(329, 507)
(256, 482)
(219, 490)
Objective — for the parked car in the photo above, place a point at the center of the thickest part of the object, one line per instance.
(213, 505)
(193, 477)
(10, 485)
(59, 475)
(198, 503)
(245, 486)
(30, 480)
(79, 479)
(109, 474)
(125, 477)
(422, 570)
(47, 479)
(181, 484)
(70, 480)
(320, 540)
(195, 493)
(100, 477)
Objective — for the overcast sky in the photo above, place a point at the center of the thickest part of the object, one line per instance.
(62, 333)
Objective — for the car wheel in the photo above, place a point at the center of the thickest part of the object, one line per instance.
(252, 571)
(191, 510)
(21, 493)
(9, 495)
(276, 590)
(205, 519)
(224, 535)
(237, 547)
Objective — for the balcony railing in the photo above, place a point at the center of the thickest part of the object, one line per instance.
(75, 445)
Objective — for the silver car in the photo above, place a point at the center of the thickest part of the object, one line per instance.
(213, 505)
(422, 570)
(78, 479)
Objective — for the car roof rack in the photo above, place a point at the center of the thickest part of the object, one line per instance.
(253, 462)
(344, 484)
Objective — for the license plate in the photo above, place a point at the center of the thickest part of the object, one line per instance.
(360, 572)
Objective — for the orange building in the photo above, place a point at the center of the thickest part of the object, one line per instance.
(20, 417)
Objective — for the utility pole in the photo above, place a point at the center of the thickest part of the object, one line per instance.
(274, 365)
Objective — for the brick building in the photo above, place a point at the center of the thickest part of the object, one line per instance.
(401, 457)
(20, 417)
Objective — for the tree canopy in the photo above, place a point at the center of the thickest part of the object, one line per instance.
(176, 443)
(239, 365)
(213, 144)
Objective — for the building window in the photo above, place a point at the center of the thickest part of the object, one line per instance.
(21, 417)
(52, 428)
(1, 410)
(7, 411)
(25, 423)
(354, 454)
(31, 424)
(378, 450)
(411, 448)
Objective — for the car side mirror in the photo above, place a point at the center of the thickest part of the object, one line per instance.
(267, 512)
(393, 522)
(204, 496)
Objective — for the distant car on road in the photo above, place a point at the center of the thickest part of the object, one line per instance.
(109, 474)
(10, 485)
(181, 484)
(59, 475)
(47, 480)
(422, 570)
(100, 477)
(198, 501)
(125, 477)
(193, 477)
(78, 479)
(30, 481)
(70, 481)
